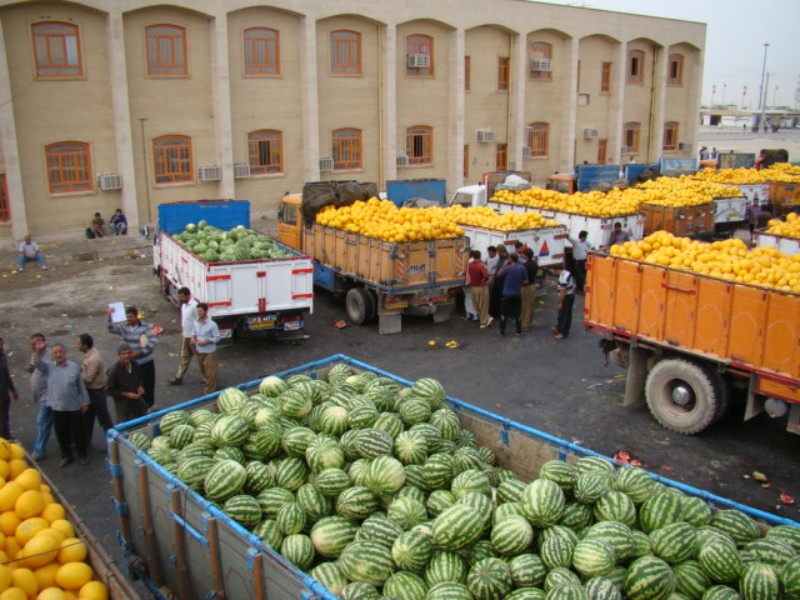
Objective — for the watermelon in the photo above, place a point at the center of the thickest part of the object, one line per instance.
(560, 576)
(542, 503)
(593, 557)
(439, 500)
(695, 511)
(649, 578)
(272, 386)
(324, 456)
(362, 417)
(721, 592)
(601, 588)
(446, 421)
(635, 482)
(385, 475)
(413, 492)
(229, 430)
(407, 512)
(290, 472)
(225, 479)
(230, 400)
(510, 490)
(269, 531)
(193, 470)
(334, 420)
(411, 550)
(470, 481)
(295, 404)
(556, 551)
(368, 561)
(295, 441)
(298, 549)
(526, 594)
(172, 419)
(414, 410)
(690, 580)
(467, 458)
(359, 590)
(445, 566)
(243, 509)
(411, 448)
(437, 472)
(527, 570)
(230, 453)
(313, 502)
(615, 506)
(431, 390)
(512, 535)
(760, 581)
(675, 542)
(291, 518)
(741, 527)
(506, 510)
(140, 440)
(457, 527)
(330, 535)
(265, 442)
(378, 528)
(490, 579)
(405, 585)
(332, 482)
(329, 575)
(787, 533)
(371, 443)
(356, 503)
(390, 423)
(720, 561)
(560, 472)
(772, 551)
(590, 487)
(659, 510)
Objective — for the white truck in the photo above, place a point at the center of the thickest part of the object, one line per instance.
(783, 243)
(258, 297)
(547, 243)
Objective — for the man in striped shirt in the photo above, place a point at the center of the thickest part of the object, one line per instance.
(141, 340)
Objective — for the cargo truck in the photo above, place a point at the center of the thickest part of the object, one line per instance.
(260, 297)
(379, 279)
(586, 178)
(175, 540)
(547, 243)
(689, 341)
(783, 243)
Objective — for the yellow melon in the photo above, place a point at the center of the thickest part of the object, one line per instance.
(29, 504)
(25, 580)
(72, 550)
(73, 575)
(93, 590)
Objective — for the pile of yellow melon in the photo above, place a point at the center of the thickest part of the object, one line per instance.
(684, 191)
(783, 172)
(729, 259)
(483, 216)
(790, 227)
(595, 204)
(382, 219)
(40, 556)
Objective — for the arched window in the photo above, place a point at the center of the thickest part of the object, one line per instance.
(57, 50)
(419, 55)
(166, 50)
(419, 145)
(675, 66)
(539, 139)
(541, 60)
(631, 136)
(172, 159)
(636, 66)
(670, 136)
(346, 149)
(262, 51)
(265, 152)
(69, 167)
(345, 52)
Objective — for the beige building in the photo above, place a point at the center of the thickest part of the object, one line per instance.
(128, 104)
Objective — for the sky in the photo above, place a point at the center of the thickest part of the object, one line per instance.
(735, 36)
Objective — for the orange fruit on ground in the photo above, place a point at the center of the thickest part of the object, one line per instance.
(14, 593)
(53, 511)
(29, 528)
(9, 521)
(29, 504)
(51, 593)
(5, 576)
(73, 575)
(25, 580)
(72, 550)
(15, 467)
(46, 575)
(94, 590)
(30, 479)
(9, 494)
(64, 527)
(42, 549)
(17, 452)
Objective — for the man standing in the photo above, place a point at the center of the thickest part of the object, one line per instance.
(93, 374)
(204, 341)
(188, 319)
(580, 248)
(513, 277)
(566, 299)
(44, 416)
(125, 387)
(479, 280)
(141, 341)
(8, 392)
(496, 291)
(68, 398)
(29, 250)
(619, 236)
(529, 290)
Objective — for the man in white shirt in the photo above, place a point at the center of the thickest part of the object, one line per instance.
(28, 251)
(580, 247)
(188, 321)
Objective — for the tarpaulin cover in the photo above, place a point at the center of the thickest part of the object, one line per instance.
(318, 195)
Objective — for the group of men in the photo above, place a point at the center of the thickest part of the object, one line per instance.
(118, 223)
(70, 397)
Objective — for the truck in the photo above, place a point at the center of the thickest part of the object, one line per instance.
(258, 298)
(379, 279)
(476, 195)
(729, 214)
(783, 243)
(586, 178)
(179, 542)
(400, 191)
(683, 221)
(547, 243)
(688, 341)
(674, 167)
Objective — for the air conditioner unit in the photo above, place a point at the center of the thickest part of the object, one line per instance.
(418, 61)
(623, 150)
(683, 147)
(209, 173)
(590, 133)
(109, 181)
(526, 152)
(402, 160)
(485, 136)
(241, 171)
(326, 164)
(541, 64)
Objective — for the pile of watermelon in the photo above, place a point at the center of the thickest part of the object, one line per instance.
(376, 491)
(217, 245)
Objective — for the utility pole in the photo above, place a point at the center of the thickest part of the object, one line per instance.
(775, 97)
(762, 101)
(713, 91)
(744, 93)
(724, 89)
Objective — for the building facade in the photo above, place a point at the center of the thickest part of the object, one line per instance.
(129, 104)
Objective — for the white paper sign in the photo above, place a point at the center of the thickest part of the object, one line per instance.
(118, 314)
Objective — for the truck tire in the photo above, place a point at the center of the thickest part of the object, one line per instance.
(682, 396)
(359, 305)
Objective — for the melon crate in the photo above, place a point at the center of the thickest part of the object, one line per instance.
(337, 479)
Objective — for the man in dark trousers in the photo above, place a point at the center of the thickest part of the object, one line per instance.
(94, 377)
(566, 299)
(496, 293)
(44, 414)
(8, 392)
(124, 385)
(514, 277)
(188, 321)
(141, 341)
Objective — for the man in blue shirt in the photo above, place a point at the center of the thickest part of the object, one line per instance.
(68, 398)
(514, 277)
(204, 341)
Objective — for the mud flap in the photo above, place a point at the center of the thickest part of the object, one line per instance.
(443, 312)
(390, 323)
(637, 375)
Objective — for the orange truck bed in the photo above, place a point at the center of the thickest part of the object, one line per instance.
(744, 329)
(682, 221)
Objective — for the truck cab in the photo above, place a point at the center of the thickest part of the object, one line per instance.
(469, 195)
(290, 221)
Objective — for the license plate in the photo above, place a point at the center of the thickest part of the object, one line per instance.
(262, 322)
(394, 304)
(225, 334)
(292, 325)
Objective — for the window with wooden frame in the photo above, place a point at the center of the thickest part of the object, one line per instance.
(541, 60)
(630, 134)
(346, 149)
(5, 205)
(419, 55)
(262, 51)
(670, 136)
(466, 161)
(605, 78)
(539, 139)
(57, 50)
(636, 66)
(166, 50)
(602, 152)
(503, 73)
(69, 167)
(467, 73)
(675, 66)
(265, 152)
(172, 159)
(419, 145)
(501, 157)
(345, 52)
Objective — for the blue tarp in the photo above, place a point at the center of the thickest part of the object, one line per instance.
(223, 214)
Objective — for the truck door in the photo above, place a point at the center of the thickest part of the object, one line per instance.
(289, 223)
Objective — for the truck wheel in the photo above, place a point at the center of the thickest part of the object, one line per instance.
(358, 304)
(682, 396)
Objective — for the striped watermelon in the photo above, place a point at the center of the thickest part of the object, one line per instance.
(506, 510)
(560, 472)
(334, 420)
(229, 430)
(489, 579)
(295, 404)
(329, 575)
(181, 436)
(385, 475)
(470, 481)
(405, 585)
(593, 557)
(431, 390)
(446, 421)
(368, 561)
(467, 457)
(200, 416)
(690, 580)
(542, 503)
(291, 518)
(414, 410)
(590, 487)
(659, 510)
(512, 535)
(556, 551)
(771, 551)
(527, 570)
(576, 516)
(390, 423)
(290, 472)
(483, 504)
(526, 594)
(411, 448)
(358, 471)
(741, 527)
(330, 535)
(615, 506)
(561, 576)
(230, 453)
(592, 463)
(264, 443)
(675, 542)
(721, 592)
(410, 491)
(457, 527)
(271, 499)
(378, 528)
(649, 578)
(558, 531)
(230, 400)
(359, 590)
(356, 503)
(332, 482)
(338, 373)
(347, 444)
(760, 581)
(445, 566)
(786, 533)
(439, 500)
(790, 578)
(140, 440)
(362, 417)
(480, 550)
(272, 386)
(269, 531)
(695, 511)
(412, 550)
(193, 470)
(259, 477)
(296, 440)
(618, 535)
(414, 477)
(225, 479)
(313, 502)
(243, 509)
(617, 576)
(407, 512)
(707, 534)
(510, 490)
(196, 449)
(449, 590)
(642, 544)
(601, 588)
(720, 561)
(635, 482)
(325, 456)
(437, 472)
(371, 443)
(298, 549)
